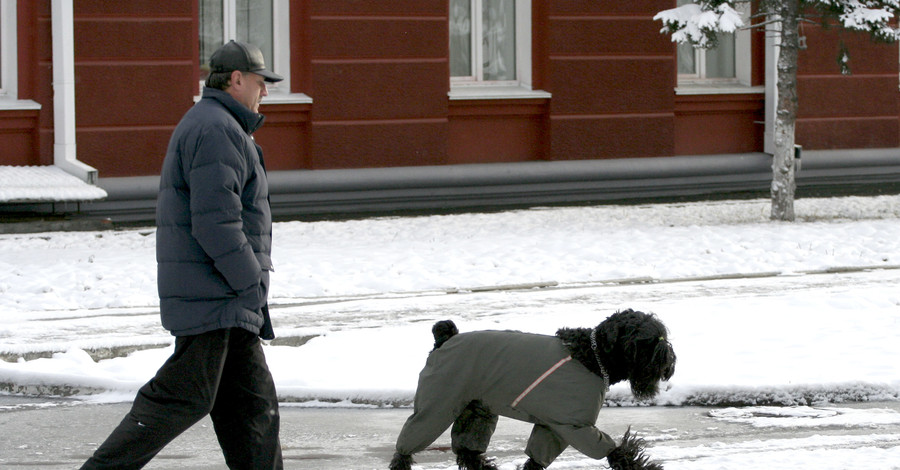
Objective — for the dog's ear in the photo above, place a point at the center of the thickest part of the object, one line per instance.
(610, 335)
(669, 360)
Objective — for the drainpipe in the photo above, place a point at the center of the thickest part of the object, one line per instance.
(64, 156)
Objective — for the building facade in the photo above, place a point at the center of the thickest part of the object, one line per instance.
(409, 83)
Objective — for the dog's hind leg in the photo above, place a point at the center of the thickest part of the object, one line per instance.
(470, 435)
(473, 428)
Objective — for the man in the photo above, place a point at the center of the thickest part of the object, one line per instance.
(213, 245)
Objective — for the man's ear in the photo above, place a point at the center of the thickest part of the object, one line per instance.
(236, 77)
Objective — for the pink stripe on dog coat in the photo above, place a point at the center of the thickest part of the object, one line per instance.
(540, 379)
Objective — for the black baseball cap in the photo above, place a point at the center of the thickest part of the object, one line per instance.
(242, 57)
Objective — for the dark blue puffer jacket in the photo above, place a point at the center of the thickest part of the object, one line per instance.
(214, 225)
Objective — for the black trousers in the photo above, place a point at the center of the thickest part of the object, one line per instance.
(222, 373)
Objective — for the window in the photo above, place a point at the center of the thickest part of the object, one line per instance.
(490, 49)
(716, 63)
(264, 23)
(7, 49)
(726, 65)
(491, 58)
(2, 54)
(9, 67)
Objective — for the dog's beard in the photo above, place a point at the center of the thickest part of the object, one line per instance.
(645, 380)
(644, 389)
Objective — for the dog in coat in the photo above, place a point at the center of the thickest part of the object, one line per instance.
(556, 382)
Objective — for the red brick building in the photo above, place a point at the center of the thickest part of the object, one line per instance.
(411, 85)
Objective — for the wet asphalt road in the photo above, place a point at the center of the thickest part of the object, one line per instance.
(38, 434)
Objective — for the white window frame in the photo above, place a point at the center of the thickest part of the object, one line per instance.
(8, 65)
(9, 60)
(696, 84)
(281, 44)
(521, 87)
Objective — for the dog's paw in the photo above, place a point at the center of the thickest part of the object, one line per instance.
(630, 455)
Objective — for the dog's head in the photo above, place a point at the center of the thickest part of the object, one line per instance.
(638, 344)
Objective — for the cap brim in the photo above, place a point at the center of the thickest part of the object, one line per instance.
(268, 76)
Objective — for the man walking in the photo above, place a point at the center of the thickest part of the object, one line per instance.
(213, 245)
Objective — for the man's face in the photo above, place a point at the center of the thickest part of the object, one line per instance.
(248, 89)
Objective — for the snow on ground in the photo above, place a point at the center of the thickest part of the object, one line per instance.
(760, 313)
(767, 329)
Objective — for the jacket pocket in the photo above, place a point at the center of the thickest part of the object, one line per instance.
(265, 262)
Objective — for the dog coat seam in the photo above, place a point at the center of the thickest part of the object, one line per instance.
(540, 379)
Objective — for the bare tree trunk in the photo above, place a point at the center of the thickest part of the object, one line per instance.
(783, 183)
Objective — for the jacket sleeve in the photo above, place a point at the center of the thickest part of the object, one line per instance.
(216, 178)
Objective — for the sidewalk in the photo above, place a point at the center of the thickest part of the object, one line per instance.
(57, 436)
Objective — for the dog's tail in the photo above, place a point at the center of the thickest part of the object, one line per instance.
(442, 331)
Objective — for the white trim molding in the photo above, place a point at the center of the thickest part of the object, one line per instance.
(496, 93)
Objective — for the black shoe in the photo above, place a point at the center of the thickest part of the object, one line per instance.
(532, 465)
(471, 460)
(401, 462)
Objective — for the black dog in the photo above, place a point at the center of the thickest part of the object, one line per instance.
(556, 382)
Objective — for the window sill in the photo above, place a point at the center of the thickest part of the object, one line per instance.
(496, 93)
(18, 105)
(287, 98)
(718, 89)
(280, 98)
